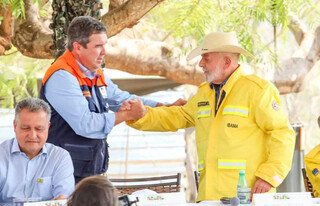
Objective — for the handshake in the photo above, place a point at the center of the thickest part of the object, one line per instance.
(134, 109)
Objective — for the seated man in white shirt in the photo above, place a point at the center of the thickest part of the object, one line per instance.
(30, 167)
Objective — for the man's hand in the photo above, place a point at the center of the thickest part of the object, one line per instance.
(132, 110)
(179, 102)
(125, 106)
(137, 111)
(60, 197)
(261, 186)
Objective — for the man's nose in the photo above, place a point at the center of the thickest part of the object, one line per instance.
(32, 134)
(103, 51)
(201, 63)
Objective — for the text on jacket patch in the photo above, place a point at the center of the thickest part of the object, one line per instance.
(232, 125)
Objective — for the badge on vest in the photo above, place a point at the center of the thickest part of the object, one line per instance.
(103, 92)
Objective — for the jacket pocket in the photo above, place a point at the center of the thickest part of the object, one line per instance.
(228, 175)
(204, 123)
(82, 158)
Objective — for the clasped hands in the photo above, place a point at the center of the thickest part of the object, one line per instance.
(135, 108)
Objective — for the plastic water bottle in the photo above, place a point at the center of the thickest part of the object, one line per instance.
(243, 192)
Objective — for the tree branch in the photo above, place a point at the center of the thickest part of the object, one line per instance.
(296, 28)
(127, 15)
(290, 77)
(113, 4)
(31, 38)
(5, 29)
(150, 58)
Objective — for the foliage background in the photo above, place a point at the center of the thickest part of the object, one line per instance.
(183, 24)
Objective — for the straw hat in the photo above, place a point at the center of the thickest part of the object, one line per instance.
(219, 42)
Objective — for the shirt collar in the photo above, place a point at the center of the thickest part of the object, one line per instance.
(15, 148)
(217, 87)
(86, 71)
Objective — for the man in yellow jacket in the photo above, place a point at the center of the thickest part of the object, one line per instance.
(238, 120)
(312, 161)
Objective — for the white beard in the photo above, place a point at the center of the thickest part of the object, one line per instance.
(213, 76)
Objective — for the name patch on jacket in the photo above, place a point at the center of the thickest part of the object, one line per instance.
(232, 125)
(202, 104)
(103, 92)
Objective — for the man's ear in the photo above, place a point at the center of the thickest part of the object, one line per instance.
(15, 125)
(227, 62)
(76, 46)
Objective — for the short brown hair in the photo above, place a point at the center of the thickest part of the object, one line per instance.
(94, 190)
(81, 28)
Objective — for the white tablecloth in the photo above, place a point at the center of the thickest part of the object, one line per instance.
(316, 201)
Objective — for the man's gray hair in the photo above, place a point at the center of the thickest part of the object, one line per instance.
(32, 104)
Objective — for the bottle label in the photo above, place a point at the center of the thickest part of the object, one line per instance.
(244, 195)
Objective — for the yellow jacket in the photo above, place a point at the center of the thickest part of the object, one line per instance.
(312, 160)
(249, 131)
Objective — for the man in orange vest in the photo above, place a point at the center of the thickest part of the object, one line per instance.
(81, 96)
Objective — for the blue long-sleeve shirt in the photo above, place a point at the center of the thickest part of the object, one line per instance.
(63, 92)
(47, 175)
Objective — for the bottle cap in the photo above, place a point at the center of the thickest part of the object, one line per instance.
(242, 171)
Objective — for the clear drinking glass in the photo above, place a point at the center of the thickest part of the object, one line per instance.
(20, 201)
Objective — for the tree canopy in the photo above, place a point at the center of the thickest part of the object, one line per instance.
(152, 37)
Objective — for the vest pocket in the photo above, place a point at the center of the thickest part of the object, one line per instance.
(82, 158)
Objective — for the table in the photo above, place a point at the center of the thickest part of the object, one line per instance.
(316, 201)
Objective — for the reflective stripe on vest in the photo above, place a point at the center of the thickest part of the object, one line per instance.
(232, 164)
(204, 112)
(236, 110)
(200, 165)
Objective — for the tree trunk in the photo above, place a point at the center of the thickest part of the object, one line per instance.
(5, 29)
(63, 13)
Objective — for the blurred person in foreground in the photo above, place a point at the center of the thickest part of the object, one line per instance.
(30, 167)
(94, 190)
(312, 161)
(238, 120)
(81, 97)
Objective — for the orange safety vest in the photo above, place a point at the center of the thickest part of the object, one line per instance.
(89, 156)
